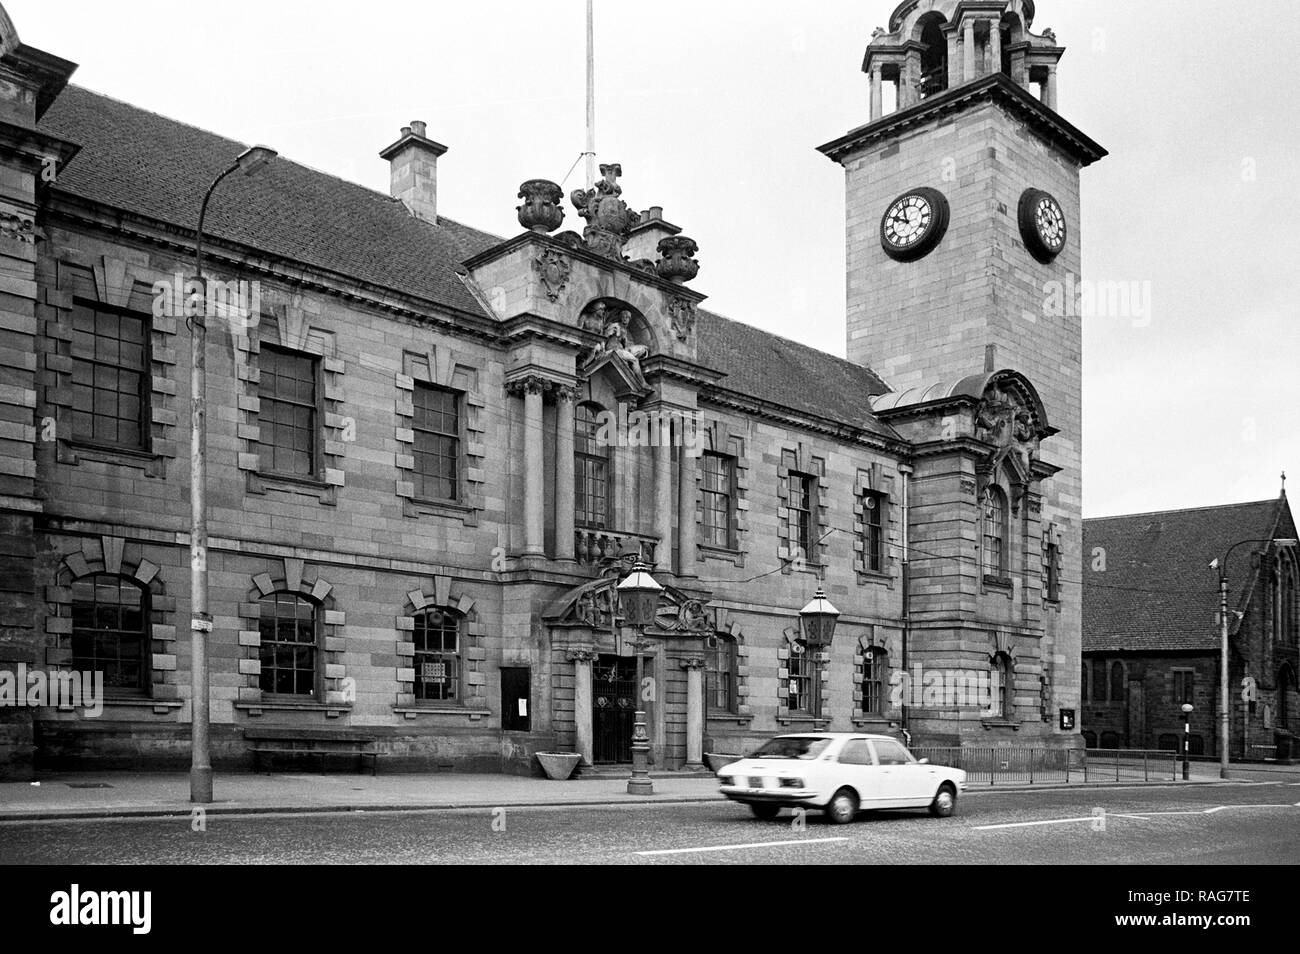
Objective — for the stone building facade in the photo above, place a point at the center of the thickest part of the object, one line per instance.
(432, 451)
(1151, 639)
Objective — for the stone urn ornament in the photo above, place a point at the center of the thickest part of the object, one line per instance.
(558, 765)
(541, 211)
(677, 259)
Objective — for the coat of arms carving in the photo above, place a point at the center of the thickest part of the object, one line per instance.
(553, 270)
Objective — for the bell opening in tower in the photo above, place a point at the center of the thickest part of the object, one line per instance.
(934, 58)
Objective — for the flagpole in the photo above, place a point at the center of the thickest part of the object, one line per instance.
(591, 100)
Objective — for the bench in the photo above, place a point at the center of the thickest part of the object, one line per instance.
(314, 744)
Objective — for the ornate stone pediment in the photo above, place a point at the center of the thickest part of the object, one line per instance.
(1010, 417)
(591, 604)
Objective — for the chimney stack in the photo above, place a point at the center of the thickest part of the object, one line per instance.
(413, 165)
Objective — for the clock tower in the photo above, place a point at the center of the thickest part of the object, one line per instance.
(962, 207)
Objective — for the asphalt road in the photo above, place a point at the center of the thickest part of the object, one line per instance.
(1202, 824)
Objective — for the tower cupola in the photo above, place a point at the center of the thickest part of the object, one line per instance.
(935, 45)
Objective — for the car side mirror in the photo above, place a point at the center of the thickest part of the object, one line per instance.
(923, 762)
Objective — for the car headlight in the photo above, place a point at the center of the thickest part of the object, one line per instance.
(726, 780)
(792, 783)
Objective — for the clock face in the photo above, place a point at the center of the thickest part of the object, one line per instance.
(1042, 224)
(913, 224)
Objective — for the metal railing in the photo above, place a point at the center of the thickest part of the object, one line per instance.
(1025, 765)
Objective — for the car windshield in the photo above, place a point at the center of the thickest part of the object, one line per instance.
(792, 747)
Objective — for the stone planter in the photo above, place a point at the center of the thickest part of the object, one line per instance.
(677, 259)
(559, 765)
(717, 763)
(541, 210)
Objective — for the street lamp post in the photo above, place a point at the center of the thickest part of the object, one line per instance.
(638, 595)
(249, 162)
(818, 618)
(1187, 732)
(1222, 566)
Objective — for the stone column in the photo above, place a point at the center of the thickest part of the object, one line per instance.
(968, 51)
(694, 666)
(582, 660)
(1049, 88)
(995, 46)
(534, 498)
(686, 494)
(663, 516)
(877, 99)
(564, 494)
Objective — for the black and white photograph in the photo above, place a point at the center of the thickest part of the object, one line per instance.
(694, 433)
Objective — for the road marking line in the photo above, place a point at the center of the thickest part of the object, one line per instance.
(754, 844)
(1052, 821)
(1220, 808)
(1121, 815)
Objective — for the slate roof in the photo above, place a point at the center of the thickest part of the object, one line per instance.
(158, 168)
(1157, 592)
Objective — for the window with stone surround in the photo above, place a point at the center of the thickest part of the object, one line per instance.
(110, 631)
(1184, 683)
(288, 412)
(1287, 592)
(875, 506)
(1083, 682)
(289, 637)
(437, 448)
(875, 676)
(1003, 675)
(591, 469)
(720, 673)
(437, 637)
(993, 549)
(801, 501)
(110, 377)
(799, 698)
(718, 498)
(1051, 568)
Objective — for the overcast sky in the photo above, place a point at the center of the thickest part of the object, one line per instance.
(714, 110)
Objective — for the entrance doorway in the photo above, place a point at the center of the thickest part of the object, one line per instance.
(613, 709)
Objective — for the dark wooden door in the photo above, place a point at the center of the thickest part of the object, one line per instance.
(613, 708)
(516, 698)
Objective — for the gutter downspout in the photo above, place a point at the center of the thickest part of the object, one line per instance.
(905, 472)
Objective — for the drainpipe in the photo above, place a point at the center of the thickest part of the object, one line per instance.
(905, 473)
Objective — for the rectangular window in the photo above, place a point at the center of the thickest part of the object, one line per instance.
(590, 469)
(719, 500)
(288, 648)
(437, 659)
(110, 365)
(286, 417)
(874, 665)
(1183, 685)
(799, 692)
(874, 509)
(437, 443)
(719, 673)
(801, 500)
(1052, 572)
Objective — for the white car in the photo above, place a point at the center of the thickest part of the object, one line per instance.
(841, 773)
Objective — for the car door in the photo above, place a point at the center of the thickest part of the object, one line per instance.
(856, 766)
(900, 785)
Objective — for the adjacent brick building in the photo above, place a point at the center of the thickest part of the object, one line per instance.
(1151, 636)
(426, 467)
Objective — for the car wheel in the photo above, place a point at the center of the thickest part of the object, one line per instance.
(945, 800)
(842, 807)
(764, 811)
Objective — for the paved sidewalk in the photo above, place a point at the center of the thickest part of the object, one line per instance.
(127, 794)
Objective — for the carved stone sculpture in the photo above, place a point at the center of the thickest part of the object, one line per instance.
(541, 209)
(608, 217)
(677, 258)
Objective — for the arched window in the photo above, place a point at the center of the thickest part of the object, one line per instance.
(110, 616)
(288, 626)
(1089, 739)
(1117, 681)
(1168, 742)
(1098, 681)
(437, 655)
(875, 675)
(720, 673)
(1286, 681)
(1003, 675)
(994, 549)
(1110, 740)
(591, 468)
(1083, 682)
(934, 55)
